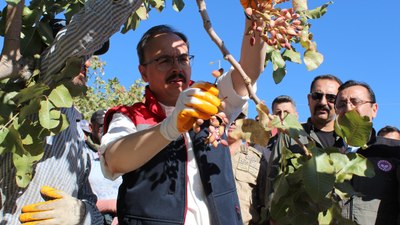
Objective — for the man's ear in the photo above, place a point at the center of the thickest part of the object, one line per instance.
(142, 70)
(91, 127)
(374, 109)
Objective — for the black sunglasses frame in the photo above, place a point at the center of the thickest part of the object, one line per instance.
(316, 96)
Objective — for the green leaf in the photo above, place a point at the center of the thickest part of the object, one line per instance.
(23, 163)
(3, 135)
(345, 190)
(353, 128)
(293, 126)
(31, 42)
(142, 12)
(32, 92)
(32, 108)
(292, 56)
(60, 97)
(279, 74)
(313, 59)
(48, 115)
(252, 132)
(72, 67)
(318, 12)
(356, 165)
(62, 125)
(46, 33)
(277, 60)
(13, 2)
(318, 174)
(30, 17)
(72, 10)
(178, 5)
(159, 5)
(270, 49)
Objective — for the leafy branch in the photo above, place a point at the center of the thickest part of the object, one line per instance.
(308, 186)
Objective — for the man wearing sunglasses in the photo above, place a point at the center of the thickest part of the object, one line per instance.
(321, 101)
(375, 200)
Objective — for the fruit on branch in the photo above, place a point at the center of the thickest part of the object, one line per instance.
(218, 123)
(282, 26)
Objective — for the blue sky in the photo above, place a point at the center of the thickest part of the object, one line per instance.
(357, 39)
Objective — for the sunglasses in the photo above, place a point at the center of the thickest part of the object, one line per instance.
(316, 96)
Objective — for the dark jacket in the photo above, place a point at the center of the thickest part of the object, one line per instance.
(378, 198)
(155, 194)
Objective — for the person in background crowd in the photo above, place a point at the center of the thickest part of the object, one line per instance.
(376, 200)
(170, 175)
(321, 101)
(319, 127)
(390, 132)
(106, 190)
(59, 192)
(247, 165)
(283, 105)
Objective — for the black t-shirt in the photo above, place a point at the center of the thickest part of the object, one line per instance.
(327, 139)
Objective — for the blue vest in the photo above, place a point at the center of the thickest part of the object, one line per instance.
(155, 194)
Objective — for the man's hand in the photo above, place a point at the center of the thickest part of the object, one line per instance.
(61, 209)
(200, 101)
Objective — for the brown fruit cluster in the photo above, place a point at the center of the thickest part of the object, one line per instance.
(281, 26)
(218, 122)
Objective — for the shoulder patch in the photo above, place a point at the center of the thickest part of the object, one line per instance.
(384, 165)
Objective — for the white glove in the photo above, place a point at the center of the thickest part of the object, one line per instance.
(62, 209)
(200, 101)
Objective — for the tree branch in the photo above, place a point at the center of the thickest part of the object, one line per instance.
(11, 62)
(220, 44)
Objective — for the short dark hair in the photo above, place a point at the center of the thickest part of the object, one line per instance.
(282, 99)
(325, 77)
(388, 129)
(98, 116)
(351, 83)
(151, 33)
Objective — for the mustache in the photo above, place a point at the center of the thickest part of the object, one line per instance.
(322, 107)
(176, 76)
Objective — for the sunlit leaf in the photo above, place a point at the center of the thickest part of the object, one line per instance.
(313, 59)
(62, 125)
(263, 112)
(292, 56)
(353, 128)
(29, 17)
(318, 175)
(277, 60)
(294, 127)
(47, 115)
(13, 2)
(142, 12)
(3, 134)
(358, 165)
(318, 12)
(23, 163)
(251, 131)
(60, 97)
(159, 5)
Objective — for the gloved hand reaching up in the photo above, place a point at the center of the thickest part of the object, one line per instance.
(200, 101)
(61, 209)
